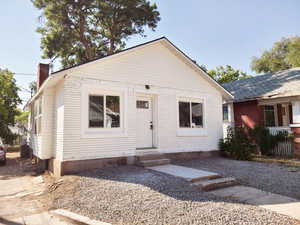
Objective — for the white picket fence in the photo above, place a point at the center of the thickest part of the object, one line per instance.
(284, 149)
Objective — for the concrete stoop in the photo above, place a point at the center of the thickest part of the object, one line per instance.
(151, 158)
(213, 184)
(205, 180)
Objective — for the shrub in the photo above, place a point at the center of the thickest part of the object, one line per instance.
(237, 144)
(266, 141)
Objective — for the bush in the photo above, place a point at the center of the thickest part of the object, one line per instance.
(237, 144)
(266, 141)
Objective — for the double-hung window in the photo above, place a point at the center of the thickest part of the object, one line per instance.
(225, 113)
(37, 116)
(104, 111)
(269, 112)
(190, 114)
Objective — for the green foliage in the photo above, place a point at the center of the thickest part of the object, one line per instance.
(9, 100)
(284, 54)
(79, 30)
(237, 144)
(265, 140)
(227, 74)
(22, 117)
(33, 88)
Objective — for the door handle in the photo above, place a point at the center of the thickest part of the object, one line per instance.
(151, 125)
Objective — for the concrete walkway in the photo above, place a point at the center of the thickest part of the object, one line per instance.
(253, 196)
(186, 173)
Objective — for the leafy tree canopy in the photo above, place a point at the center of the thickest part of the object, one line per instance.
(32, 87)
(79, 30)
(9, 100)
(284, 54)
(22, 117)
(224, 74)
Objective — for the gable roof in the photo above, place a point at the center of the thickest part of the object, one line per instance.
(271, 85)
(57, 75)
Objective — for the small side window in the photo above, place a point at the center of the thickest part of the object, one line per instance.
(225, 113)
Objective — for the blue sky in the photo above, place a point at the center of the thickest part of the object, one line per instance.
(213, 32)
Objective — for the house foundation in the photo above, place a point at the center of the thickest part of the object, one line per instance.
(59, 168)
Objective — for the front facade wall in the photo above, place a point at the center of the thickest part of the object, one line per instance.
(247, 114)
(170, 80)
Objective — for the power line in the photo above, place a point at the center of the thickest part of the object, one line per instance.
(25, 74)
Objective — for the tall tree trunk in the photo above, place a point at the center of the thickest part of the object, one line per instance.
(84, 41)
(111, 47)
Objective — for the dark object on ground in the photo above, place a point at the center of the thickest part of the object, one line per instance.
(25, 152)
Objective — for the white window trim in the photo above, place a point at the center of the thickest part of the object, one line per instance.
(104, 113)
(101, 132)
(38, 104)
(191, 132)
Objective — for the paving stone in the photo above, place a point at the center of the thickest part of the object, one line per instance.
(189, 174)
(274, 202)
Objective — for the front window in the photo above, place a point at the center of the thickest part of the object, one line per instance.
(104, 111)
(269, 116)
(190, 114)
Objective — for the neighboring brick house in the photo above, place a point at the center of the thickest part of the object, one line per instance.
(271, 99)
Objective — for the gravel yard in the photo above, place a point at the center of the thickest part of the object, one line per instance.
(133, 195)
(272, 177)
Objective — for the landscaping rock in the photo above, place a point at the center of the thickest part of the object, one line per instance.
(133, 195)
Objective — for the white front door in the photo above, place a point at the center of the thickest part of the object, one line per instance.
(144, 122)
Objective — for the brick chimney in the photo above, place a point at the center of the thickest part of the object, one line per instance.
(42, 74)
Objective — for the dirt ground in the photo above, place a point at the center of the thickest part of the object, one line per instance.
(22, 191)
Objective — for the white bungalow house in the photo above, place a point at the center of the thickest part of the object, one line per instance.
(106, 111)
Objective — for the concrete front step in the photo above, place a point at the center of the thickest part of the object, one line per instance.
(209, 185)
(150, 156)
(154, 162)
(188, 174)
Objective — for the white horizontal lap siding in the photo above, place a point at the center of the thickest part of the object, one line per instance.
(59, 122)
(78, 147)
(170, 141)
(47, 123)
(168, 77)
(35, 144)
(153, 65)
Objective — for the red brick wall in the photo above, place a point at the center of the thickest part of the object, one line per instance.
(247, 114)
(43, 74)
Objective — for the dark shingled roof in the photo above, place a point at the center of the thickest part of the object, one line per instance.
(271, 85)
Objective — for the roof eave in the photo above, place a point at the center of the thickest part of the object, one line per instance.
(50, 81)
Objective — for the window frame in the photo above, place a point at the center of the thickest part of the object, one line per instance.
(274, 114)
(227, 107)
(104, 111)
(192, 131)
(37, 124)
(99, 132)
